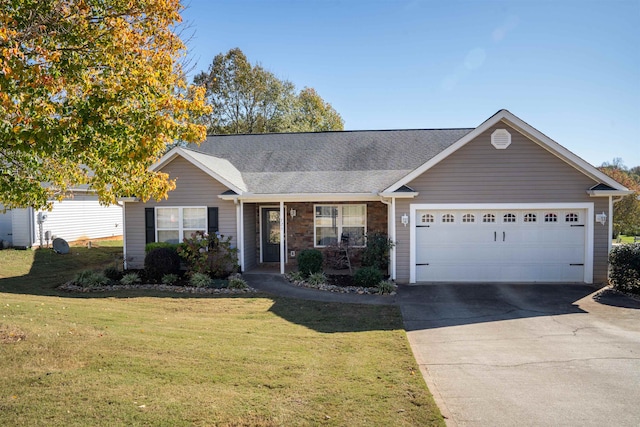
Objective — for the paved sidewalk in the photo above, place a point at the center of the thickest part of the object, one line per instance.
(275, 284)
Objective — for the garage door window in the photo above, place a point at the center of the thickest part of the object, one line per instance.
(468, 218)
(571, 217)
(448, 218)
(426, 218)
(530, 217)
(509, 217)
(488, 218)
(550, 217)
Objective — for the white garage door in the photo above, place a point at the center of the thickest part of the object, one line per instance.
(500, 245)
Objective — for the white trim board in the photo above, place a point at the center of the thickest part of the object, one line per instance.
(588, 226)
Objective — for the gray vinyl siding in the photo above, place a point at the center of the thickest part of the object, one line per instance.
(193, 188)
(250, 231)
(523, 173)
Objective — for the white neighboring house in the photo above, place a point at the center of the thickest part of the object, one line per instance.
(77, 218)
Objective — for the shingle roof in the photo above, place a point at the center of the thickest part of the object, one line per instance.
(327, 162)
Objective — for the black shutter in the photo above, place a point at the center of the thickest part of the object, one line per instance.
(150, 225)
(212, 220)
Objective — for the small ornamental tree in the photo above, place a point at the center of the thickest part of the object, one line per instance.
(210, 254)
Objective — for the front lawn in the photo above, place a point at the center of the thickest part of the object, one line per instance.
(127, 359)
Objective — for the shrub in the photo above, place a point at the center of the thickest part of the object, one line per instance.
(155, 245)
(112, 273)
(295, 276)
(624, 268)
(317, 279)
(161, 261)
(170, 279)
(209, 254)
(237, 283)
(200, 280)
(130, 279)
(376, 253)
(91, 279)
(367, 277)
(385, 287)
(309, 261)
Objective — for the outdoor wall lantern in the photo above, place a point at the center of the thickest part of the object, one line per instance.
(601, 218)
(404, 219)
(293, 213)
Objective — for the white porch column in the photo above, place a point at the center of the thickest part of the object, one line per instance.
(241, 236)
(283, 255)
(610, 225)
(392, 236)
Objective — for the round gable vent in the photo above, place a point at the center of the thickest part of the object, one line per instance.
(500, 139)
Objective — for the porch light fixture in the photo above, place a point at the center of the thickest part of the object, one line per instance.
(293, 213)
(404, 219)
(601, 218)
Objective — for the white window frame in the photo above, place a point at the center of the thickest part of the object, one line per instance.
(339, 223)
(181, 228)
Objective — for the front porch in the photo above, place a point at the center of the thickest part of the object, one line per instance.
(262, 225)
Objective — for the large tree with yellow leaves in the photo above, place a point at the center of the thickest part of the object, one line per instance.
(91, 93)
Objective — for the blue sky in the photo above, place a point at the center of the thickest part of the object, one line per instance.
(571, 69)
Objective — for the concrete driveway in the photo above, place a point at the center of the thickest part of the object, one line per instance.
(518, 355)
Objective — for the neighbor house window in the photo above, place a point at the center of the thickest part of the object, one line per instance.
(174, 224)
(334, 223)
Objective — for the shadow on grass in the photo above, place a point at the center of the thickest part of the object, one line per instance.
(48, 270)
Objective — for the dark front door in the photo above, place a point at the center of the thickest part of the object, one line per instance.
(271, 235)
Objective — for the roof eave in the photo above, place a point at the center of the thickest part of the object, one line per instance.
(302, 197)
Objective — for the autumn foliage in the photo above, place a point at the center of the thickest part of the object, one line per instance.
(91, 93)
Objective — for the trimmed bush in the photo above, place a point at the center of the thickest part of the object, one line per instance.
(155, 245)
(310, 261)
(367, 277)
(91, 279)
(161, 261)
(624, 268)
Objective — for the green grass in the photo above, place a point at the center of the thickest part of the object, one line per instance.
(127, 359)
(624, 239)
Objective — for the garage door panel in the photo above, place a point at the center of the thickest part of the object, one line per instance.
(529, 249)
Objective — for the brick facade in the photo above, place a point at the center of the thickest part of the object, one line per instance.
(300, 228)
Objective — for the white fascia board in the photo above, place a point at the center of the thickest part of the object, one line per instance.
(608, 193)
(303, 197)
(400, 195)
(535, 135)
(128, 199)
(179, 151)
